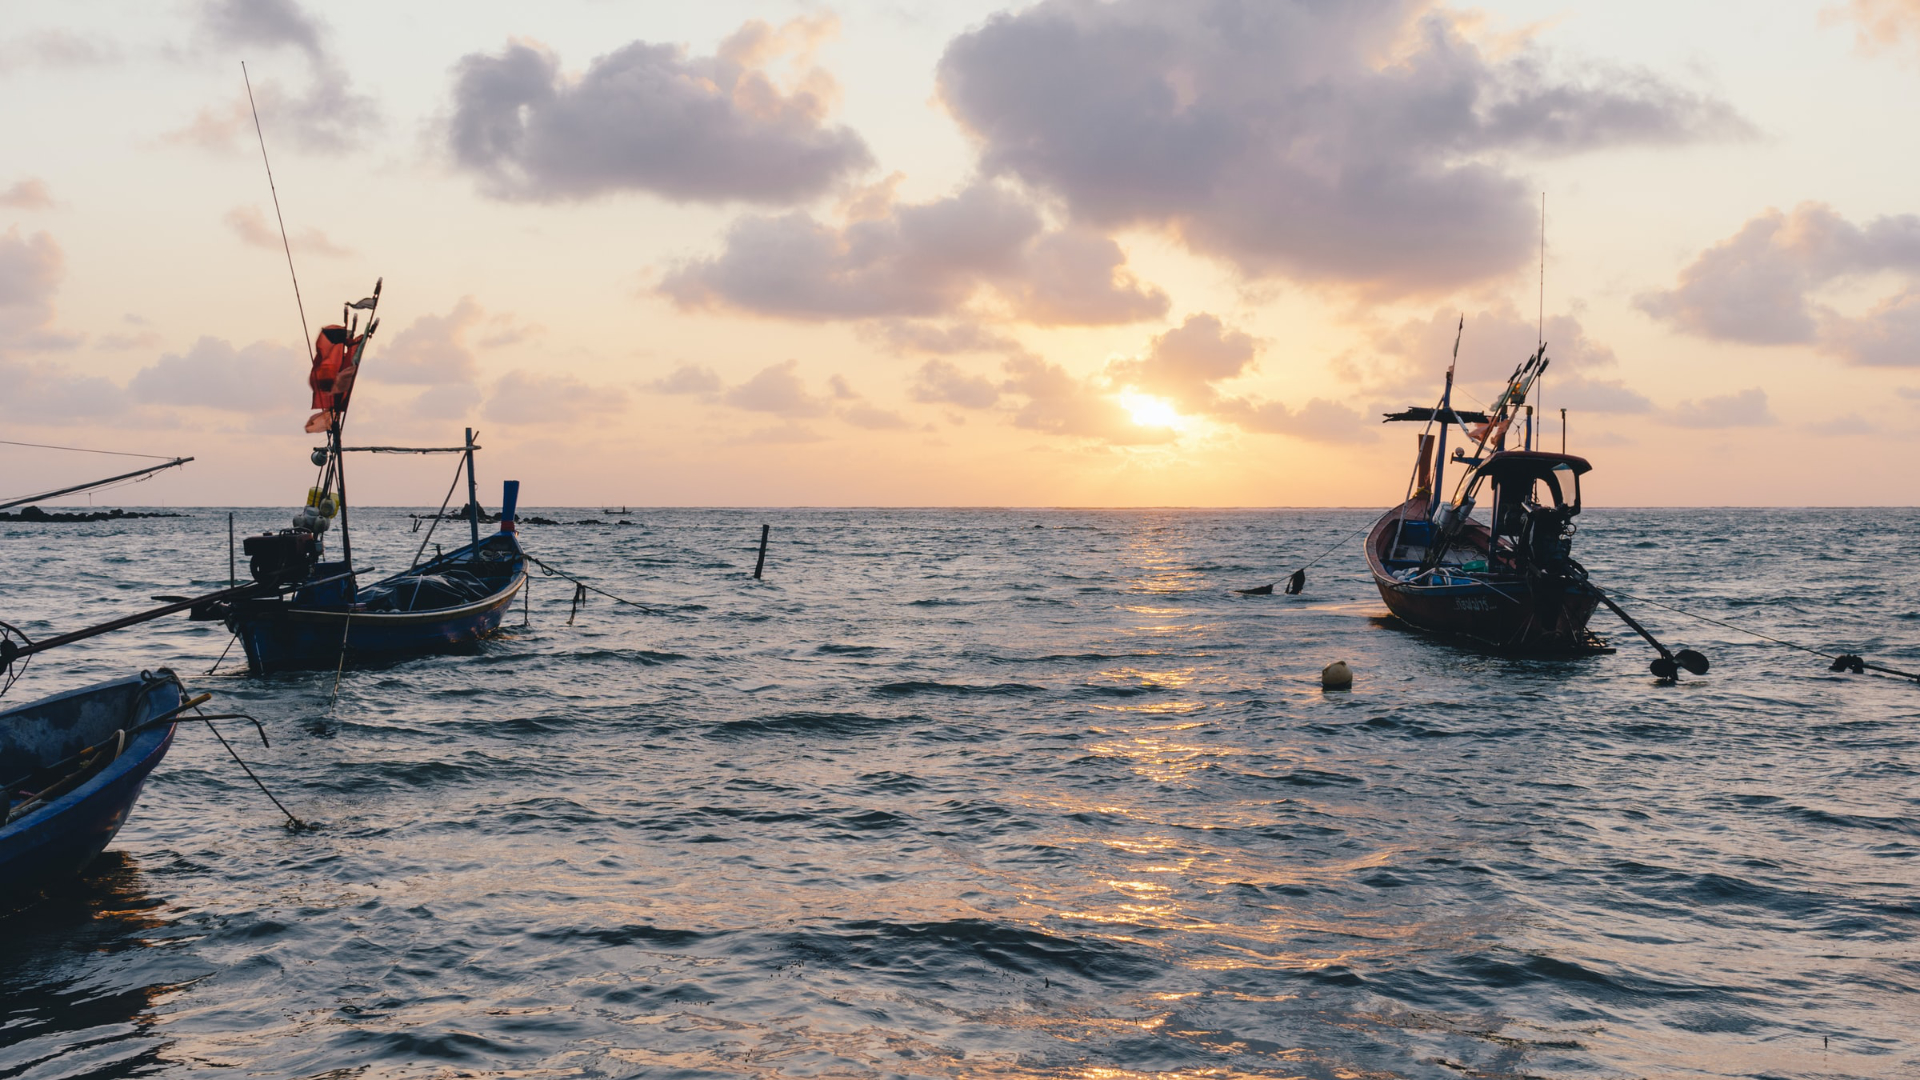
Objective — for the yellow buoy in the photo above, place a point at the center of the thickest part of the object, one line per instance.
(1336, 676)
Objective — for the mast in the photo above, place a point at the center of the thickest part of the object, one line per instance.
(473, 493)
(340, 480)
(1446, 420)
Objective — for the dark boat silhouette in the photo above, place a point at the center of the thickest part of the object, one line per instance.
(1511, 582)
(315, 613)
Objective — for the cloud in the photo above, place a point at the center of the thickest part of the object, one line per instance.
(1882, 25)
(1748, 408)
(53, 395)
(1364, 143)
(1183, 364)
(433, 350)
(326, 115)
(57, 49)
(688, 379)
(1060, 404)
(940, 339)
(448, 401)
(1078, 278)
(918, 261)
(30, 272)
(526, 397)
(778, 390)
(939, 382)
(1410, 359)
(780, 433)
(28, 194)
(213, 374)
(249, 223)
(1319, 420)
(1184, 367)
(874, 418)
(1760, 286)
(650, 118)
(1842, 426)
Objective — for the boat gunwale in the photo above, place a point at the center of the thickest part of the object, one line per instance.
(156, 742)
(394, 618)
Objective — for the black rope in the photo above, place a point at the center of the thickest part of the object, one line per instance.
(1841, 661)
(292, 822)
(1298, 579)
(83, 450)
(224, 652)
(578, 599)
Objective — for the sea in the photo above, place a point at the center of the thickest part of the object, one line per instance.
(1000, 793)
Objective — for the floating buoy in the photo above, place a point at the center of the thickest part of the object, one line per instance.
(1336, 676)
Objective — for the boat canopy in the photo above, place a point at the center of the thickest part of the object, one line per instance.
(1514, 473)
(1530, 465)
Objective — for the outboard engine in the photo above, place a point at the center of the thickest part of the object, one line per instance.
(282, 558)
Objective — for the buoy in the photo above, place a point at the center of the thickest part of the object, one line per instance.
(1336, 676)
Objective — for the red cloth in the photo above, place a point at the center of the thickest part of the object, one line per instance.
(336, 360)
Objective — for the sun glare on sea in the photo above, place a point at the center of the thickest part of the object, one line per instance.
(1150, 411)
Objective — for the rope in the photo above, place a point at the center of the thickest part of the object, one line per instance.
(224, 652)
(1837, 658)
(551, 572)
(1300, 574)
(83, 450)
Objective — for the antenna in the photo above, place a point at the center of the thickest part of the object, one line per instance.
(1541, 335)
(306, 338)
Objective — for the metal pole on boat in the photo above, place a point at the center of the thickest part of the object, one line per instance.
(232, 571)
(1563, 431)
(346, 541)
(473, 493)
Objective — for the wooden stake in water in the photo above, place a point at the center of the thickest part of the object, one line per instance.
(761, 565)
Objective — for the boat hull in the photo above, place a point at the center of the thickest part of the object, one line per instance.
(57, 840)
(1504, 612)
(284, 637)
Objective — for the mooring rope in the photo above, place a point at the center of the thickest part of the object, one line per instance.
(551, 572)
(1841, 661)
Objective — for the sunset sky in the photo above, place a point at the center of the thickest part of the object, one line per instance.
(885, 253)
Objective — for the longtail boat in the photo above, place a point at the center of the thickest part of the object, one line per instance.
(73, 765)
(1512, 582)
(315, 612)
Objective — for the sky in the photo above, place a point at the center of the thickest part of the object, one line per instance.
(1065, 253)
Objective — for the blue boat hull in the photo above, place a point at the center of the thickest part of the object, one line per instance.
(292, 638)
(55, 841)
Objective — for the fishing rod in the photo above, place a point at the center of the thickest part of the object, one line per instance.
(11, 650)
(90, 485)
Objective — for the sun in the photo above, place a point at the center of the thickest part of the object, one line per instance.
(1150, 411)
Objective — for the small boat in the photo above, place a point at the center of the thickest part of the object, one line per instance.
(313, 613)
(1512, 583)
(73, 765)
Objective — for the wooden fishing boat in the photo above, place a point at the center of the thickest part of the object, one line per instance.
(1511, 583)
(449, 602)
(313, 613)
(73, 765)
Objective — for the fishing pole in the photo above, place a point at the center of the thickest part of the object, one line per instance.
(306, 337)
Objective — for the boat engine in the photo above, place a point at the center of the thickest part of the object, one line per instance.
(282, 558)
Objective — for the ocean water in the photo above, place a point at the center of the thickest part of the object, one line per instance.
(1003, 793)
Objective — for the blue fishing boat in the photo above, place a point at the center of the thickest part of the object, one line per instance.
(73, 765)
(310, 612)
